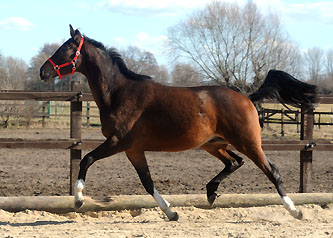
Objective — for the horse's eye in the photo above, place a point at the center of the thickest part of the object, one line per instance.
(63, 49)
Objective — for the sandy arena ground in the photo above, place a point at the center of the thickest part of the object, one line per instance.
(272, 221)
(46, 172)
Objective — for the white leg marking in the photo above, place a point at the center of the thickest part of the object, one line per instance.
(289, 205)
(78, 187)
(163, 204)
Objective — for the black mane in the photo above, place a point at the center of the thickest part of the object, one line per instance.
(117, 59)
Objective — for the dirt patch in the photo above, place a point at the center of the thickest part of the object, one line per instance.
(271, 221)
(26, 172)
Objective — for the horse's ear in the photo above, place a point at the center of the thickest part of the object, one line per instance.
(72, 32)
(75, 34)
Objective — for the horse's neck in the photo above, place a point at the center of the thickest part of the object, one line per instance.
(101, 75)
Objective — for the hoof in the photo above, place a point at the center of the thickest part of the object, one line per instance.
(237, 166)
(299, 215)
(212, 198)
(78, 204)
(174, 217)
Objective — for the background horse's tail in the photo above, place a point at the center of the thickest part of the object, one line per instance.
(287, 89)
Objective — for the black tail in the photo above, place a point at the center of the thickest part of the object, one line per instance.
(288, 90)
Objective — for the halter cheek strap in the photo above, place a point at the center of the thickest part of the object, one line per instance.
(72, 62)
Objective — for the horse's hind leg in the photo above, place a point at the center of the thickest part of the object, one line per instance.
(231, 161)
(271, 171)
(139, 162)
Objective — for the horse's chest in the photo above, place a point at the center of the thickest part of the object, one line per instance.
(116, 123)
(108, 125)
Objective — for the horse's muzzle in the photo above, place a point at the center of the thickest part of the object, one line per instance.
(45, 74)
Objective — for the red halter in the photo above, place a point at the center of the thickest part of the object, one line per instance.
(72, 62)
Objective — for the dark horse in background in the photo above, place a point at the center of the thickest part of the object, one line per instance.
(139, 115)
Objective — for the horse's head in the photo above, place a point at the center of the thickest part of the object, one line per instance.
(66, 59)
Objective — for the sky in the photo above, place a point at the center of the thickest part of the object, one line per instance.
(26, 25)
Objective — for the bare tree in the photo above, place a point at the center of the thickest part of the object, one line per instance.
(162, 76)
(12, 73)
(144, 62)
(3, 73)
(140, 61)
(329, 63)
(12, 77)
(271, 48)
(314, 63)
(325, 82)
(185, 75)
(233, 45)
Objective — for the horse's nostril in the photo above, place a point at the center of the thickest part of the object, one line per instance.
(44, 75)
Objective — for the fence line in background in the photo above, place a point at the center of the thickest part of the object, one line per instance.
(75, 143)
(48, 110)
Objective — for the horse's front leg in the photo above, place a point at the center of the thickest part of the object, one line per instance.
(110, 147)
(139, 162)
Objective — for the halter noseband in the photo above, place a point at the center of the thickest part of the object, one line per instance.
(72, 62)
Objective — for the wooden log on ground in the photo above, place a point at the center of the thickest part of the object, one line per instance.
(64, 204)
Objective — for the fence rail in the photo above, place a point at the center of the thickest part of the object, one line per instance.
(45, 96)
(53, 110)
(87, 144)
(306, 145)
(292, 117)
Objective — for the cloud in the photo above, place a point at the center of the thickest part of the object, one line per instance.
(152, 7)
(17, 23)
(319, 11)
(142, 40)
(316, 11)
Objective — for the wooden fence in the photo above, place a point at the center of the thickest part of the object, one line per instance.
(287, 117)
(75, 143)
(43, 113)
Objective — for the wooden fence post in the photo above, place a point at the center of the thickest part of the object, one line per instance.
(56, 109)
(262, 118)
(75, 132)
(43, 114)
(88, 114)
(282, 122)
(319, 120)
(297, 120)
(306, 155)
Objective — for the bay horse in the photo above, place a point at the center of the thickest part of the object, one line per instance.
(138, 115)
